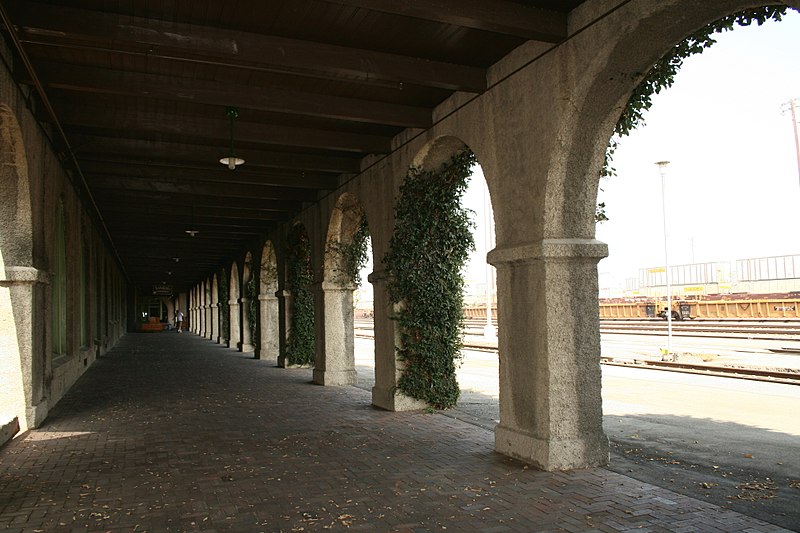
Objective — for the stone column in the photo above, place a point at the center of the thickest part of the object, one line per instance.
(214, 320)
(285, 303)
(334, 362)
(247, 335)
(195, 322)
(549, 346)
(388, 368)
(234, 325)
(23, 341)
(202, 313)
(269, 333)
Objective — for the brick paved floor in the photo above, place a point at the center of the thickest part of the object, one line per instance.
(173, 433)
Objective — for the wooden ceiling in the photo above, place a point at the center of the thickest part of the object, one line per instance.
(140, 90)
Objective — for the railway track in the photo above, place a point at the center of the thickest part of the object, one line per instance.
(743, 329)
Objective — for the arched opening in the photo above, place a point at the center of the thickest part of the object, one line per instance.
(345, 255)
(269, 332)
(432, 241)
(725, 202)
(234, 312)
(224, 309)
(299, 300)
(249, 305)
(20, 372)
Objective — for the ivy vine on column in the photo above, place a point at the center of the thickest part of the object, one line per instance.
(352, 255)
(430, 245)
(300, 347)
(251, 293)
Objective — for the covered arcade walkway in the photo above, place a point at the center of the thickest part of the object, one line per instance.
(174, 433)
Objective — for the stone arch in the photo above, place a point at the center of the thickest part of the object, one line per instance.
(249, 304)
(431, 157)
(269, 332)
(15, 201)
(234, 316)
(605, 84)
(334, 359)
(21, 285)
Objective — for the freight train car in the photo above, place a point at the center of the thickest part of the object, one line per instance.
(754, 307)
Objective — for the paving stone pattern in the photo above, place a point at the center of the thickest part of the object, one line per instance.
(173, 433)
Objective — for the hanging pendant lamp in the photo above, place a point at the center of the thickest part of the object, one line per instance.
(231, 161)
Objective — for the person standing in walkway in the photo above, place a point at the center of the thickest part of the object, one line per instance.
(179, 320)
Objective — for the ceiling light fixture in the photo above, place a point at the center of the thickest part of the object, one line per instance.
(232, 161)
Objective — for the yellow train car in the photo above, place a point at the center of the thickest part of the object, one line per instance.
(778, 308)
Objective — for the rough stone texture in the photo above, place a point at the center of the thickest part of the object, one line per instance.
(539, 133)
(248, 447)
(334, 362)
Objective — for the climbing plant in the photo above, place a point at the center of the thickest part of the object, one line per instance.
(352, 255)
(251, 293)
(222, 292)
(300, 346)
(430, 245)
(662, 75)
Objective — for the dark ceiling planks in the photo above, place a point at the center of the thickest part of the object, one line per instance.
(141, 90)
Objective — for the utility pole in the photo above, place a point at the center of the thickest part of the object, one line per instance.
(793, 110)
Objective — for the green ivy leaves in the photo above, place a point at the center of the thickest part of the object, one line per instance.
(300, 346)
(431, 242)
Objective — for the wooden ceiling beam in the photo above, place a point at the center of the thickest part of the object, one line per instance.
(498, 16)
(217, 173)
(144, 122)
(88, 147)
(273, 99)
(170, 185)
(190, 201)
(54, 25)
(116, 210)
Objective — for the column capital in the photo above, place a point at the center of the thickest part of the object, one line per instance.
(378, 276)
(15, 275)
(266, 297)
(589, 249)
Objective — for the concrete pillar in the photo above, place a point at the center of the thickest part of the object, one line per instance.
(388, 368)
(549, 344)
(247, 345)
(234, 323)
(334, 362)
(22, 339)
(209, 322)
(269, 332)
(215, 333)
(285, 302)
(195, 321)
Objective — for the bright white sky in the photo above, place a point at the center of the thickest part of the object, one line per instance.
(733, 189)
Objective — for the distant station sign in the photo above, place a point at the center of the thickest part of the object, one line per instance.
(162, 290)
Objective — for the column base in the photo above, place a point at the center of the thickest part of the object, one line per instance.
(331, 378)
(393, 400)
(554, 454)
(248, 348)
(37, 414)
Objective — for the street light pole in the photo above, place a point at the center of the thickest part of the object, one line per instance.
(488, 329)
(662, 169)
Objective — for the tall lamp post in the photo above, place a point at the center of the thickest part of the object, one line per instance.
(488, 330)
(662, 169)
